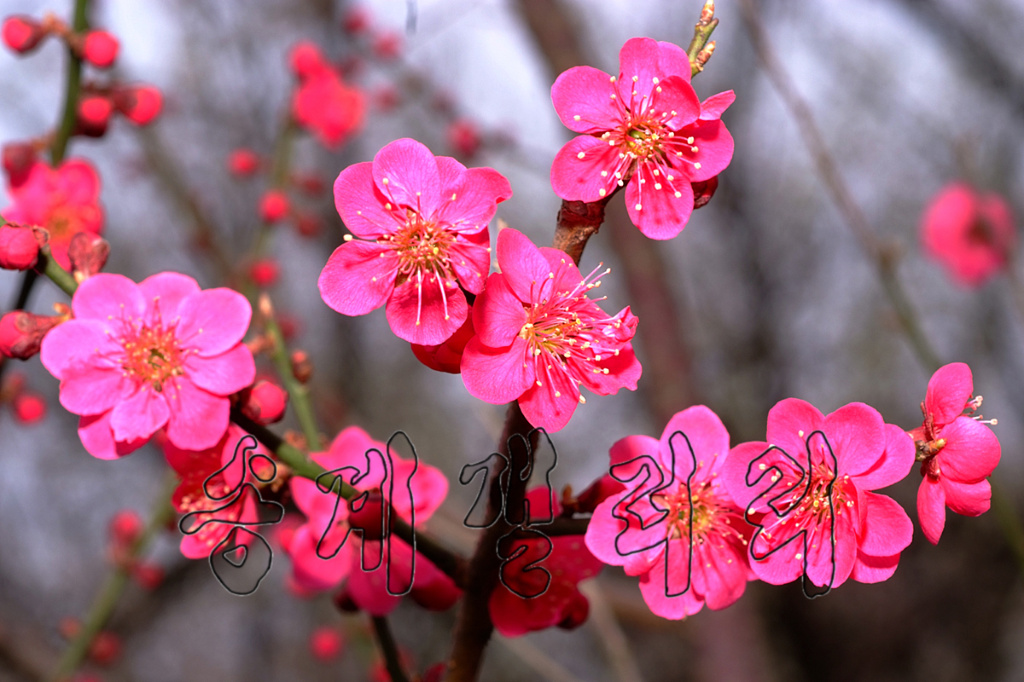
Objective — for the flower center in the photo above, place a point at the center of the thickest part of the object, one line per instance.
(422, 247)
(709, 518)
(63, 221)
(152, 354)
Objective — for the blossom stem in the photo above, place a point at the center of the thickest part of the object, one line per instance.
(108, 597)
(58, 275)
(297, 391)
(386, 642)
(448, 562)
(699, 51)
(59, 146)
(577, 223)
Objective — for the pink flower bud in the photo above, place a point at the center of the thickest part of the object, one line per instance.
(19, 247)
(703, 191)
(265, 402)
(125, 527)
(22, 33)
(94, 115)
(105, 649)
(386, 97)
(326, 644)
(274, 206)
(100, 48)
(88, 254)
(243, 162)
(140, 104)
(22, 333)
(355, 20)
(464, 137)
(306, 59)
(264, 272)
(148, 576)
(18, 158)
(387, 45)
(307, 224)
(29, 407)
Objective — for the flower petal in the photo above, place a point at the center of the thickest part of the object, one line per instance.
(790, 423)
(523, 265)
(359, 277)
(583, 100)
(140, 416)
(713, 107)
(872, 569)
(639, 62)
(108, 297)
(496, 375)
(361, 205)
(971, 452)
(469, 204)
(659, 209)
(887, 530)
(969, 499)
(213, 320)
(163, 294)
(551, 404)
(470, 258)
(222, 374)
(714, 146)
(949, 389)
(706, 435)
(426, 312)
(589, 177)
(198, 420)
(98, 438)
(857, 435)
(406, 172)
(895, 463)
(931, 509)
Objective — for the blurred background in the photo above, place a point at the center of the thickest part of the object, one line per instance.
(766, 294)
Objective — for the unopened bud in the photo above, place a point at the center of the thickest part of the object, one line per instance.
(387, 45)
(22, 33)
(243, 162)
(69, 627)
(140, 104)
(21, 333)
(88, 254)
(707, 12)
(100, 48)
(29, 407)
(274, 206)
(19, 247)
(264, 272)
(325, 644)
(93, 115)
(148, 576)
(302, 366)
(464, 137)
(355, 20)
(105, 649)
(125, 527)
(704, 55)
(307, 224)
(264, 402)
(18, 159)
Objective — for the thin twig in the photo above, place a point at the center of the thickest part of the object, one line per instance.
(386, 642)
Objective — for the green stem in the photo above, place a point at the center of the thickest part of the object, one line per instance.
(59, 146)
(386, 641)
(108, 597)
(58, 275)
(297, 391)
(702, 31)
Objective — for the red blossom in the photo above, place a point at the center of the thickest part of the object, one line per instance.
(64, 201)
(139, 357)
(331, 110)
(265, 272)
(644, 129)
(849, 532)
(243, 162)
(447, 356)
(140, 104)
(971, 234)
(22, 33)
(540, 338)
(464, 137)
(100, 48)
(422, 227)
(326, 643)
(274, 206)
(264, 402)
(956, 449)
(688, 540)
(28, 407)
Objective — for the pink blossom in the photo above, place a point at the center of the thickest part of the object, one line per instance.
(970, 233)
(422, 223)
(956, 450)
(828, 524)
(323, 551)
(540, 338)
(682, 533)
(322, 102)
(217, 500)
(644, 129)
(64, 201)
(536, 597)
(139, 357)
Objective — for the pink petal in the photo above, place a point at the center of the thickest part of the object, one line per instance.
(108, 297)
(470, 258)
(639, 57)
(673, 60)
(661, 214)
(476, 196)
(871, 569)
(931, 509)
(887, 529)
(348, 449)
(369, 589)
(198, 420)
(496, 375)
(715, 148)
(719, 574)
(633, 447)
(713, 107)
(79, 343)
(969, 499)
(419, 313)
(707, 437)
(830, 562)
(359, 277)
(98, 438)
(213, 320)
(550, 405)
(663, 586)
(949, 389)
(893, 465)
(78, 181)
(139, 416)
(163, 293)
(602, 532)
(222, 374)
(578, 178)
(624, 371)
(406, 172)
(857, 435)
(582, 99)
(498, 315)
(525, 269)
(310, 569)
(734, 471)
(790, 423)
(429, 489)
(971, 452)
(361, 205)
(674, 94)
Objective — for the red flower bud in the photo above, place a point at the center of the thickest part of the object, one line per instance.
(88, 254)
(302, 366)
(105, 649)
(355, 20)
(148, 576)
(19, 247)
(125, 527)
(140, 104)
(100, 48)
(306, 59)
(307, 224)
(94, 115)
(387, 45)
(22, 33)
(265, 402)
(575, 612)
(29, 407)
(308, 183)
(18, 158)
(464, 137)
(21, 333)
(274, 206)
(264, 272)
(325, 644)
(447, 357)
(243, 162)
(703, 191)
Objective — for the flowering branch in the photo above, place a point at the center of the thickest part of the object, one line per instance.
(107, 599)
(58, 275)
(700, 50)
(386, 642)
(58, 148)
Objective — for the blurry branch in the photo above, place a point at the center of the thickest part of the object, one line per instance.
(883, 258)
(700, 50)
(204, 236)
(386, 643)
(108, 597)
(58, 148)
(280, 166)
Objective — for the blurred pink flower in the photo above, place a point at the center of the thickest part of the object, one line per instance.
(644, 127)
(971, 234)
(139, 357)
(539, 338)
(422, 223)
(956, 450)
